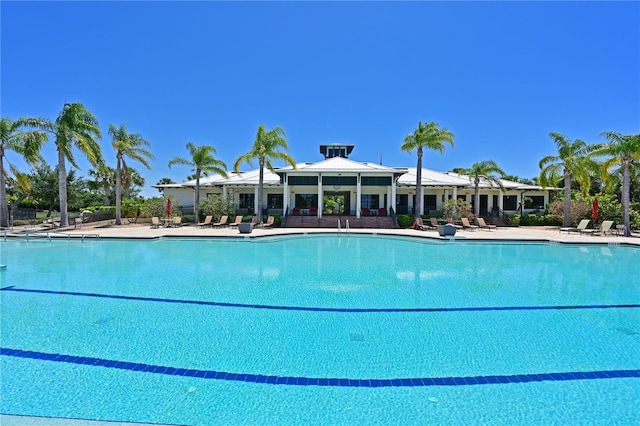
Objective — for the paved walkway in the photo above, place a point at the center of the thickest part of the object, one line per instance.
(527, 233)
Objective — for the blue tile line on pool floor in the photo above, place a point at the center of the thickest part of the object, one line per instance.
(316, 381)
(316, 309)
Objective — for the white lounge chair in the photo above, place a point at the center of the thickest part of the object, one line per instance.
(581, 227)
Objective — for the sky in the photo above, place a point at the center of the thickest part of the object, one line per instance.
(499, 75)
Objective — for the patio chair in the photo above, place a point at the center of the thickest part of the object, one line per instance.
(237, 222)
(382, 211)
(155, 222)
(177, 222)
(581, 227)
(222, 222)
(604, 228)
(269, 223)
(313, 211)
(207, 222)
(254, 221)
(483, 225)
(467, 225)
(418, 223)
(366, 211)
(433, 222)
(296, 211)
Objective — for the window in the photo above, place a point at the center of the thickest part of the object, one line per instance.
(337, 152)
(246, 201)
(509, 202)
(303, 180)
(375, 181)
(535, 202)
(370, 201)
(462, 197)
(306, 201)
(274, 201)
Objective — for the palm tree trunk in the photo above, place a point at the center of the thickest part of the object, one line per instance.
(260, 183)
(118, 193)
(567, 199)
(196, 197)
(4, 207)
(62, 189)
(476, 199)
(625, 197)
(418, 204)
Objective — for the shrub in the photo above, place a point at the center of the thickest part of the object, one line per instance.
(157, 206)
(217, 206)
(456, 209)
(579, 210)
(404, 220)
(513, 219)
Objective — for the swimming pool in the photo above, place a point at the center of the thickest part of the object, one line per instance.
(321, 330)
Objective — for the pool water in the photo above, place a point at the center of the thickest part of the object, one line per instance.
(321, 330)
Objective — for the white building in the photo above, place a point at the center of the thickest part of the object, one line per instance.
(340, 186)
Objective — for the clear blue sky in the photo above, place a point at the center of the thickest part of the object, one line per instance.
(499, 75)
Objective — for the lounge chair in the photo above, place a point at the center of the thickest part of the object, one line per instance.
(581, 227)
(207, 222)
(269, 223)
(483, 225)
(254, 220)
(467, 225)
(222, 222)
(155, 222)
(419, 224)
(434, 222)
(237, 222)
(604, 228)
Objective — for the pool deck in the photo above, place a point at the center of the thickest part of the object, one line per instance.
(144, 231)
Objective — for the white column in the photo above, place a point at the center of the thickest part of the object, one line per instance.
(285, 196)
(320, 197)
(358, 193)
(224, 191)
(393, 195)
(455, 193)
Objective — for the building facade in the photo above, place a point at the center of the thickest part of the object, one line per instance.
(338, 185)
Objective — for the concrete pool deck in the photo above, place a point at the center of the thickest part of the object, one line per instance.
(144, 231)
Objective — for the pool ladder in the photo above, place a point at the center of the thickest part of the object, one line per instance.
(346, 226)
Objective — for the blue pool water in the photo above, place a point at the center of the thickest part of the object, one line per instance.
(321, 330)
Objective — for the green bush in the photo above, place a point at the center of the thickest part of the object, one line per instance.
(513, 219)
(405, 220)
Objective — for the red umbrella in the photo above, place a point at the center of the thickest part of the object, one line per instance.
(594, 212)
(168, 207)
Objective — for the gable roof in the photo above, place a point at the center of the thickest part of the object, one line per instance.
(339, 164)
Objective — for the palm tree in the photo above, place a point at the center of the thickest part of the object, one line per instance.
(25, 143)
(427, 136)
(622, 150)
(574, 161)
(268, 146)
(127, 145)
(75, 125)
(203, 162)
(483, 170)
